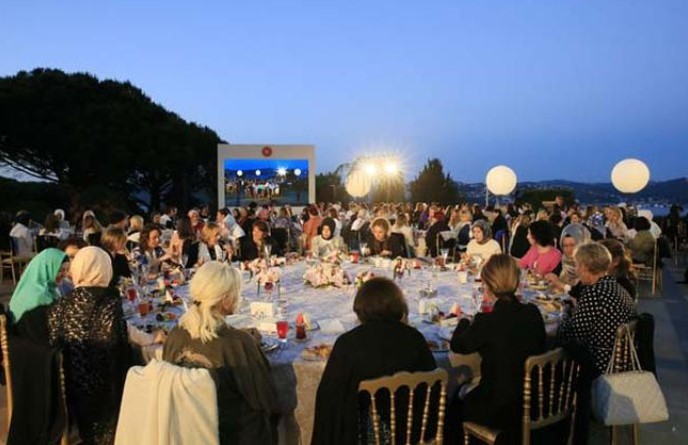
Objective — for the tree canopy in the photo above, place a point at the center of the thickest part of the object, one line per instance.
(433, 185)
(83, 133)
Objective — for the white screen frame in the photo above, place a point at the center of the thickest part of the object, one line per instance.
(254, 151)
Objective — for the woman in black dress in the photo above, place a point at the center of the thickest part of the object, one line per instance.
(88, 325)
(381, 345)
(505, 338)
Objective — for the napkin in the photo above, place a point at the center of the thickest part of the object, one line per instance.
(139, 337)
(331, 326)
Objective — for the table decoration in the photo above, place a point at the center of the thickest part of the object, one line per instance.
(327, 275)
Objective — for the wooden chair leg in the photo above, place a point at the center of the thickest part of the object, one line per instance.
(636, 434)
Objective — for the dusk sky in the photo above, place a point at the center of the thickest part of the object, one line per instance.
(554, 89)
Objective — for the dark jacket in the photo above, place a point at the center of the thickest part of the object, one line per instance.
(249, 250)
(505, 338)
(120, 268)
(373, 349)
(432, 234)
(394, 243)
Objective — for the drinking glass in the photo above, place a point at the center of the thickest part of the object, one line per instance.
(282, 330)
(268, 251)
(477, 300)
(445, 253)
(364, 248)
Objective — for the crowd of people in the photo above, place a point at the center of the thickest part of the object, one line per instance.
(67, 299)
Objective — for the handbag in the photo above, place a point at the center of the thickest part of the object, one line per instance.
(628, 397)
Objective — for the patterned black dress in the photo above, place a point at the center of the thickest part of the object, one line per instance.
(602, 308)
(88, 325)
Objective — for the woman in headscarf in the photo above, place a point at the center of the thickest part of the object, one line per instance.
(572, 236)
(88, 325)
(482, 245)
(203, 339)
(36, 291)
(327, 242)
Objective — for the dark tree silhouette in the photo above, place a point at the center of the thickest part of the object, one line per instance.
(83, 133)
(433, 185)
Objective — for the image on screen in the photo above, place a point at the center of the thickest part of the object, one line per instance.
(282, 181)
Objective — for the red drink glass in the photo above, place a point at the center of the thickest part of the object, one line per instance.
(144, 308)
(282, 330)
(131, 294)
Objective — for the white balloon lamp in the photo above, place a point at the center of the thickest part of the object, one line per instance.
(358, 183)
(630, 175)
(501, 180)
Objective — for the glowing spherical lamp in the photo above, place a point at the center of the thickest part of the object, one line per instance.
(281, 171)
(297, 172)
(501, 180)
(358, 183)
(240, 173)
(257, 172)
(630, 175)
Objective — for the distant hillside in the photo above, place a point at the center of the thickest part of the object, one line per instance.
(656, 192)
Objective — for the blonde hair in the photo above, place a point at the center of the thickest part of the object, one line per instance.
(501, 275)
(136, 222)
(208, 230)
(594, 256)
(381, 221)
(112, 239)
(212, 283)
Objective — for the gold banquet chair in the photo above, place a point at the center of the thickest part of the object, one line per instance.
(553, 376)
(412, 381)
(651, 274)
(625, 337)
(6, 364)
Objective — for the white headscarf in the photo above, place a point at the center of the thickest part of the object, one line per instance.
(91, 267)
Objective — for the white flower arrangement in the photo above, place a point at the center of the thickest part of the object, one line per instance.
(327, 274)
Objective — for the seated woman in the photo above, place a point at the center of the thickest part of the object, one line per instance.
(642, 245)
(254, 246)
(210, 248)
(310, 226)
(327, 243)
(381, 345)
(542, 256)
(184, 245)
(616, 227)
(91, 227)
(51, 232)
(505, 338)
(621, 266)
(135, 226)
(572, 236)
(438, 224)
(36, 291)
(381, 240)
(519, 244)
(482, 245)
(88, 325)
(114, 243)
(401, 226)
(149, 252)
(203, 339)
(602, 307)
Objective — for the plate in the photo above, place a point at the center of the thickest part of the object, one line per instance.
(268, 344)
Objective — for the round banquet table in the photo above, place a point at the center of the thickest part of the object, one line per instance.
(296, 378)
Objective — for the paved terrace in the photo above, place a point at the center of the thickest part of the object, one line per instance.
(670, 310)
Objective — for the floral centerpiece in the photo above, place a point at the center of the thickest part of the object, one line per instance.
(401, 267)
(335, 257)
(327, 274)
(364, 276)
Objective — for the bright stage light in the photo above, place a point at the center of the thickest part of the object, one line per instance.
(391, 168)
(281, 171)
(370, 169)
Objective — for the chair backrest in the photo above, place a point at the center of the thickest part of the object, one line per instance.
(4, 345)
(552, 379)
(94, 239)
(625, 336)
(412, 381)
(45, 241)
(281, 237)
